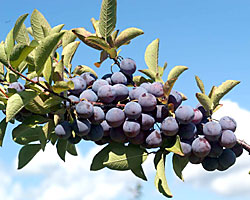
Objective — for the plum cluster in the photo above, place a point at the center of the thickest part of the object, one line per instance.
(108, 110)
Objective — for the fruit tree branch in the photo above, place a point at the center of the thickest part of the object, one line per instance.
(244, 145)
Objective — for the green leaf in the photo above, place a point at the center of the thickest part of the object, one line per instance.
(100, 158)
(82, 34)
(101, 43)
(205, 101)
(23, 36)
(3, 126)
(52, 101)
(45, 31)
(68, 53)
(162, 69)
(107, 19)
(222, 90)
(26, 154)
(176, 148)
(61, 147)
(172, 77)
(20, 52)
(47, 71)
(37, 20)
(36, 106)
(139, 173)
(17, 101)
(18, 25)
(9, 43)
(179, 163)
(3, 56)
(148, 73)
(68, 37)
(95, 24)
(48, 128)
(200, 84)
(56, 29)
(160, 177)
(127, 35)
(44, 50)
(138, 80)
(29, 30)
(83, 68)
(61, 86)
(71, 148)
(35, 119)
(24, 134)
(151, 56)
(125, 157)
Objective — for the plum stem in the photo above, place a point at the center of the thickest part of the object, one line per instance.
(244, 145)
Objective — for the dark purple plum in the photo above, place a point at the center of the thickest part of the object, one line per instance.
(89, 78)
(131, 128)
(84, 109)
(184, 114)
(186, 148)
(175, 98)
(154, 139)
(106, 128)
(133, 110)
(81, 127)
(98, 83)
(115, 117)
(106, 94)
(128, 66)
(117, 135)
(63, 130)
(201, 147)
(98, 116)
(79, 85)
(146, 121)
(237, 149)
(118, 77)
(134, 93)
(212, 131)
(216, 150)
(156, 89)
(90, 95)
(96, 133)
(146, 86)
(194, 159)
(121, 92)
(210, 164)
(198, 116)
(187, 131)
(17, 86)
(74, 140)
(226, 159)
(228, 139)
(73, 98)
(169, 126)
(160, 113)
(147, 101)
(228, 123)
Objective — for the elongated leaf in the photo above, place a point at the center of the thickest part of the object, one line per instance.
(52, 101)
(83, 68)
(179, 163)
(29, 29)
(222, 90)
(61, 147)
(9, 43)
(35, 119)
(107, 19)
(26, 154)
(44, 50)
(200, 84)
(98, 42)
(18, 25)
(3, 126)
(20, 52)
(160, 177)
(3, 56)
(148, 73)
(24, 134)
(37, 20)
(205, 101)
(95, 24)
(68, 37)
(47, 71)
(36, 106)
(139, 173)
(125, 158)
(17, 101)
(127, 35)
(151, 56)
(56, 29)
(45, 31)
(71, 148)
(100, 158)
(23, 36)
(68, 53)
(61, 86)
(172, 77)
(176, 148)
(162, 69)
(82, 34)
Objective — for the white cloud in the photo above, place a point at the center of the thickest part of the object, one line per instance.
(71, 180)
(235, 180)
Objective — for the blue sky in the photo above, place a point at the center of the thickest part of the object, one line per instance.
(212, 38)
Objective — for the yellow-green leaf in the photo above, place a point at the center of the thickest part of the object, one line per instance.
(82, 34)
(68, 53)
(176, 148)
(151, 56)
(61, 86)
(44, 50)
(148, 73)
(101, 43)
(83, 68)
(68, 37)
(37, 20)
(3, 56)
(200, 84)
(56, 29)
(17, 101)
(205, 101)
(47, 71)
(9, 43)
(138, 80)
(18, 25)
(127, 35)
(23, 36)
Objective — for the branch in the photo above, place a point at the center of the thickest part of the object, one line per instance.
(244, 145)
(37, 83)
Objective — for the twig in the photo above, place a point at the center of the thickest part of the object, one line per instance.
(4, 93)
(244, 145)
